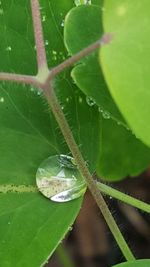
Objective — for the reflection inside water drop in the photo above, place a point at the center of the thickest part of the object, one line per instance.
(82, 2)
(58, 179)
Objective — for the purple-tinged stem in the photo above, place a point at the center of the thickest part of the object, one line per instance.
(106, 39)
(18, 78)
(38, 33)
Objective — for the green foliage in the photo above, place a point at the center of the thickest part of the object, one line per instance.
(125, 61)
(131, 156)
(137, 263)
(31, 226)
(29, 134)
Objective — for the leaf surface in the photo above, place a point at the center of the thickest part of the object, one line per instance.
(121, 153)
(125, 61)
(31, 226)
(87, 73)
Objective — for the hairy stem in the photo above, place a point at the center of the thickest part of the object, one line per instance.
(66, 131)
(18, 78)
(38, 33)
(123, 197)
(106, 38)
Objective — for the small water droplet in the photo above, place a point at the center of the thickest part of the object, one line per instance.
(62, 23)
(105, 114)
(39, 92)
(90, 101)
(80, 99)
(59, 180)
(1, 11)
(100, 109)
(2, 99)
(119, 122)
(43, 18)
(34, 90)
(8, 48)
(46, 42)
(54, 52)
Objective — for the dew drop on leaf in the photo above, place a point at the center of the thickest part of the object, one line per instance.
(2, 99)
(44, 18)
(59, 180)
(62, 23)
(8, 48)
(46, 42)
(105, 114)
(82, 2)
(90, 101)
(1, 11)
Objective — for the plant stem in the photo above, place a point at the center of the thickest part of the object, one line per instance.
(64, 257)
(38, 33)
(66, 131)
(19, 78)
(123, 197)
(105, 39)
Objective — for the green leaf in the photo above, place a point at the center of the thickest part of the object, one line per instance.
(87, 74)
(29, 134)
(121, 153)
(31, 224)
(136, 263)
(17, 51)
(125, 61)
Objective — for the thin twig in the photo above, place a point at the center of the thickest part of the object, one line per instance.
(112, 192)
(38, 33)
(106, 38)
(67, 133)
(18, 78)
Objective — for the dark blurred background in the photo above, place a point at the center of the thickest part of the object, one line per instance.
(90, 243)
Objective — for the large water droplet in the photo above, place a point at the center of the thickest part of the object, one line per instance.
(90, 101)
(58, 179)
